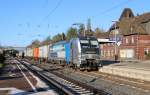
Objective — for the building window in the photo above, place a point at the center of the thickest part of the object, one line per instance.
(146, 51)
(108, 52)
(124, 41)
(127, 41)
(104, 54)
(132, 40)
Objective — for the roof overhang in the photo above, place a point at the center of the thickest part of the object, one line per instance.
(105, 41)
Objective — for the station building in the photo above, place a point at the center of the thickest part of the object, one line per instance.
(129, 37)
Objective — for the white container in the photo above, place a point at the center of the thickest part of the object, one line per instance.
(43, 51)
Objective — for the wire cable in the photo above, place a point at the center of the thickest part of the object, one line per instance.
(111, 9)
(52, 11)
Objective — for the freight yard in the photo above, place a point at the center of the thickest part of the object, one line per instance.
(74, 47)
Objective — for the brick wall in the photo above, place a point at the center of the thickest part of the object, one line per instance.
(140, 44)
(107, 50)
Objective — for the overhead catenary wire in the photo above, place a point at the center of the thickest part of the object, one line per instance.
(91, 17)
(47, 16)
(109, 9)
(94, 16)
(52, 11)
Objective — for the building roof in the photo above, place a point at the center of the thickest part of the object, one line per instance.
(102, 41)
(129, 24)
(102, 35)
(127, 13)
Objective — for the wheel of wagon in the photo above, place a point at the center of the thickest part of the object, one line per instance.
(88, 69)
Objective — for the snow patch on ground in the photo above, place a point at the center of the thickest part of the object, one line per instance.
(41, 84)
(14, 91)
(49, 92)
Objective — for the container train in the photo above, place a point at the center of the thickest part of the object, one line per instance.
(37, 52)
(80, 52)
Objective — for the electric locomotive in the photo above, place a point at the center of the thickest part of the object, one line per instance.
(80, 52)
(83, 53)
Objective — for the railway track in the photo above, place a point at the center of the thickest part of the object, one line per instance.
(104, 82)
(134, 83)
(121, 81)
(65, 84)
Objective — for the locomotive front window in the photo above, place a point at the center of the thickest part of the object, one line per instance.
(89, 46)
(95, 43)
(84, 41)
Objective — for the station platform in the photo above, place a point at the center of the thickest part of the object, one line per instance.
(137, 70)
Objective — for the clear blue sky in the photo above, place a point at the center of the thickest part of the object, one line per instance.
(22, 21)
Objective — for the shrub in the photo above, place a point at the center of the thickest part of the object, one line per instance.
(148, 55)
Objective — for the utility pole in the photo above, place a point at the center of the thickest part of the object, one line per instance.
(116, 55)
(89, 27)
(79, 24)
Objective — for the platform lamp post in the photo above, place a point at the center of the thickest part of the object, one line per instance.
(116, 55)
(79, 24)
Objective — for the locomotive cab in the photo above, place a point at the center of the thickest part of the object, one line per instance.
(85, 53)
(90, 53)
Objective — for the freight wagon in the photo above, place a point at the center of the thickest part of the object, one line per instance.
(36, 53)
(43, 52)
(29, 52)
